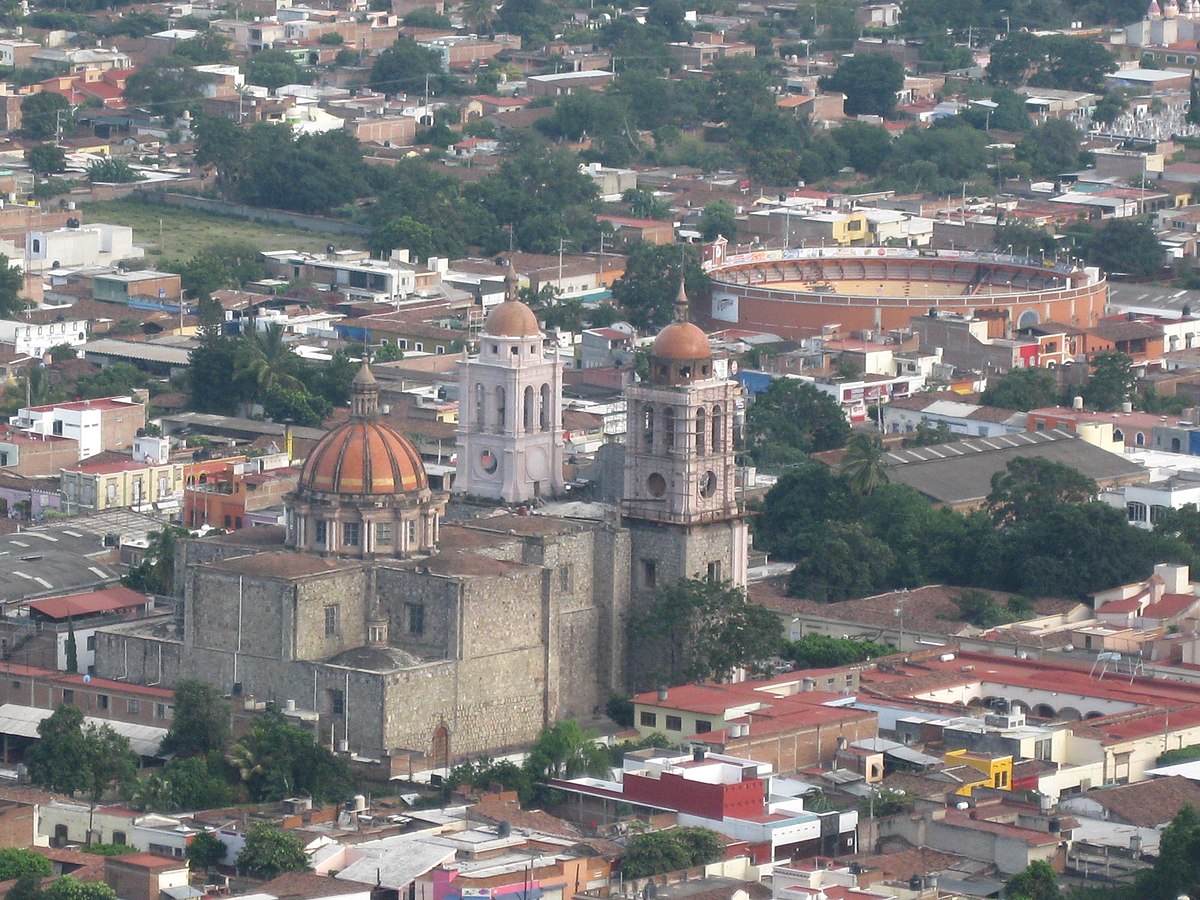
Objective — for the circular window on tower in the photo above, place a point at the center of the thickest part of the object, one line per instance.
(488, 461)
(656, 485)
(708, 484)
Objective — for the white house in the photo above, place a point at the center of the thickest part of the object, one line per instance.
(36, 339)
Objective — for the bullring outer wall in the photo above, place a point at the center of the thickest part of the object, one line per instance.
(742, 295)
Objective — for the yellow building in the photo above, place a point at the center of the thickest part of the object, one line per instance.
(992, 771)
(128, 484)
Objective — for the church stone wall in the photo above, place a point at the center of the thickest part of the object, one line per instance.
(346, 593)
(437, 597)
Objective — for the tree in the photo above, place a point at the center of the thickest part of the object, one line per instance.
(482, 773)
(1177, 868)
(658, 852)
(980, 608)
(1038, 882)
(61, 352)
(43, 114)
(718, 219)
(564, 750)
(533, 20)
(403, 67)
(1114, 103)
(1126, 246)
(70, 888)
(111, 171)
(478, 15)
(1030, 485)
(274, 68)
(1025, 240)
(1051, 148)
(647, 290)
(851, 562)
(790, 420)
(11, 285)
(155, 574)
(277, 760)
(110, 760)
(820, 651)
(867, 146)
(863, 466)
(206, 851)
(165, 86)
(17, 863)
(59, 760)
(204, 49)
(1022, 389)
(47, 159)
(1112, 381)
(201, 722)
(698, 630)
(269, 853)
(869, 81)
(543, 196)
(72, 647)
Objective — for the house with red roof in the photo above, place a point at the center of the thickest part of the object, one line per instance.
(40, 630)
(791, 722)
(1165, 599)
(731, 795)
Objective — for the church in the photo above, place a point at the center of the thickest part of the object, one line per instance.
(415, 640)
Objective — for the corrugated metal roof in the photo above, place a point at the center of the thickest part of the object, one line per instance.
(23, 721)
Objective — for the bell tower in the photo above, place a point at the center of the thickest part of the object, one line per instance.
(510, 439)
(680, 500)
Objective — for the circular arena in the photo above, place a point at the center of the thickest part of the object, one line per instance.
(797, 293)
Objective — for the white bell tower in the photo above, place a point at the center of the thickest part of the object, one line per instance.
(510, 439)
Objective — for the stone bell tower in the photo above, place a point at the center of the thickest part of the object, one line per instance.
(680, 500)
(510, 439)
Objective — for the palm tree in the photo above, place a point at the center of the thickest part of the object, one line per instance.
(477, 14)
(268, 362)
(863, 466)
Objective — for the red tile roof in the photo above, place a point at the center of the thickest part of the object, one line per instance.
(107, 600)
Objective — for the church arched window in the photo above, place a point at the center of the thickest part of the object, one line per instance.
(479, 405)
(530, 409)
(718, 433)
(648, 425)
(669, 427)
(701, 430)
(501, 409)
(547, 408)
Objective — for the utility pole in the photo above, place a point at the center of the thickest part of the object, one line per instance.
(561, 242)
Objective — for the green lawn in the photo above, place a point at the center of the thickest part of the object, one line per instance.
(186, 231)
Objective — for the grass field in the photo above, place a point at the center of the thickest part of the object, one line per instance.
(186, 231)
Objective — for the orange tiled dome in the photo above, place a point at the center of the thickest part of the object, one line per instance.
(681, 340)
(363, 458)
(512, 318)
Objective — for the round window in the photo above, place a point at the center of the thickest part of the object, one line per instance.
(656, 485)
(488, 461)
(708, 484)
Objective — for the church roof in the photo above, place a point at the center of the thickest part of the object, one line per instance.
(375, 659)
(363, 458)
(512, 318)
(681, 340)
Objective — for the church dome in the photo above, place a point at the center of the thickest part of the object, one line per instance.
(512, 318)
(681, 340)
(363, 458)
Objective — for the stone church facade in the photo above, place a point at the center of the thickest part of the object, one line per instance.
(404, 637)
